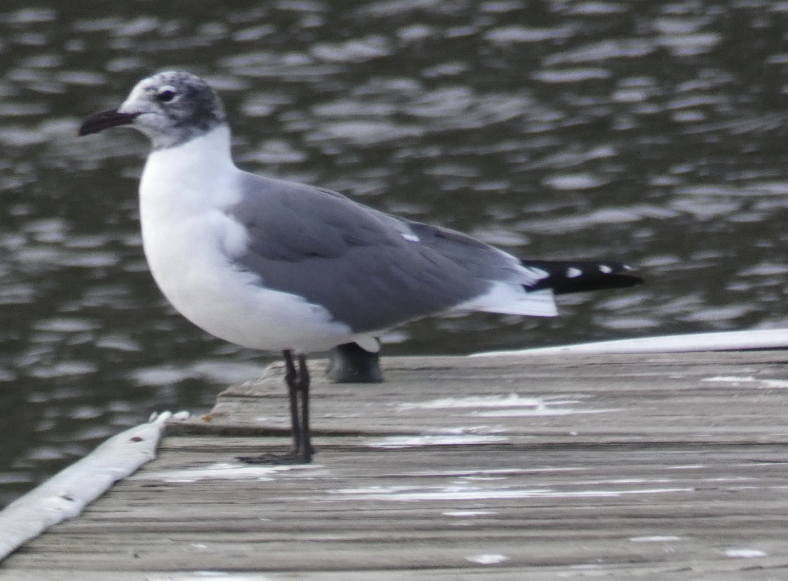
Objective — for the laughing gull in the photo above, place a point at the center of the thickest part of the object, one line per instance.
(276, 265)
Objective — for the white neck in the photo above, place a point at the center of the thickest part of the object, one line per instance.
(189, 178)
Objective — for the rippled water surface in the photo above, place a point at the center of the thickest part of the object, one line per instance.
(652, 132)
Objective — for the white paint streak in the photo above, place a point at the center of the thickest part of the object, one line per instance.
(466, 493)
(228, 471)
(512, 405)
(744, 553)
(757, 382)
(203, 575)
(487, 559)
(493, 401)
(468, 513)
(435, 440)
(542, 412)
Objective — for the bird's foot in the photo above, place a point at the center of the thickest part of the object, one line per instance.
(291, 458)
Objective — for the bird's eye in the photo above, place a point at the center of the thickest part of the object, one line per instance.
(165, 95)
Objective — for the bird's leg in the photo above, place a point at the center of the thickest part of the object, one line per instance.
(297, 388)
(293, 382)
(304, 446)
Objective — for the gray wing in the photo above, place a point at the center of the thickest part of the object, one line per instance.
(370, 270)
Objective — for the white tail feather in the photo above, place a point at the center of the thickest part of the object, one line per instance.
(513, 300)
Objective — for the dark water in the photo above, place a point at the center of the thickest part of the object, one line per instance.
(652, 132)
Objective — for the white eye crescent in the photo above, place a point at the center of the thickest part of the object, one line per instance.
(166, 94)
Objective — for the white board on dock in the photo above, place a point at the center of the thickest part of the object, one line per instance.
(721, 341)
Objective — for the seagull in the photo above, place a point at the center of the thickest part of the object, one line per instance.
(281, 266)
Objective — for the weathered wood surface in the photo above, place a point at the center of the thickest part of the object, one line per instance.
(670, 466)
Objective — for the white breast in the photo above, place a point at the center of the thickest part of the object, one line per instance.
(190, 242)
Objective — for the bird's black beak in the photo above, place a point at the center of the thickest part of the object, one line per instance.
(104, 120)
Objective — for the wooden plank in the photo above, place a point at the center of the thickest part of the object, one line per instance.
(625, 467)
(543, 510)
(641, 398)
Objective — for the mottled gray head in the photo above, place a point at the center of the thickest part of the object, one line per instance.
(170, 108)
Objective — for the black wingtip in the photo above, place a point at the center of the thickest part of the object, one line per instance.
(565, 277)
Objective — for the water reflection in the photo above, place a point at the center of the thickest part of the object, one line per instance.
(650, 131)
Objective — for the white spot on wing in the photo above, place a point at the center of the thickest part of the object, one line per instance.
(573, 272)
(605, 269)
(403, 228)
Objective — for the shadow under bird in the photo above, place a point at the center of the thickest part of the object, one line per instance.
(275, 265)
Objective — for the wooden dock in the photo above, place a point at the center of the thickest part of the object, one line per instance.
(669, 466)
